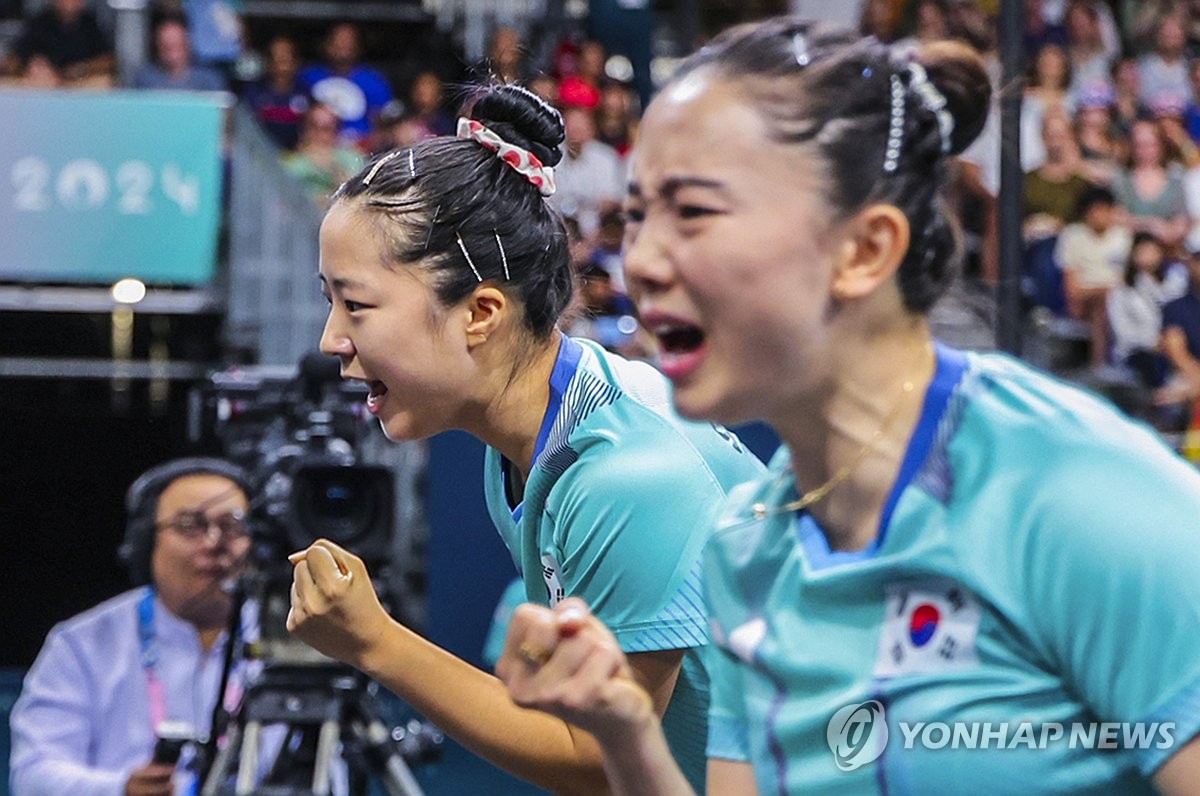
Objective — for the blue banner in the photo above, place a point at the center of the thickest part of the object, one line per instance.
(95, 187)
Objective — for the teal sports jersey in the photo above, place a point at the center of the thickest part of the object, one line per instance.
(1037, 567)
(619, 502)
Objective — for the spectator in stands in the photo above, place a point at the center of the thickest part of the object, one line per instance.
(322, 161)
(1135, 308)
(1127, 102)
(1181, 338)
(66, 40)
(216, 29)
(1150, 191)
(591, 177)
(1053, 190)
(616, 117)
(1049, 79)
(506, 58)
(352, 90)
(398, 127)
(173, 68)
(1092, 253)
(545, 87)
(279, 100)
(1168, 113)
(582, 87)
(1101, 151)
(426, 105)
(1165, 70)
(878, 19)
(1040, 31)
(931, 23)
(1091, 56)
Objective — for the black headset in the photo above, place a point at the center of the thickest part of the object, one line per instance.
(141, 505)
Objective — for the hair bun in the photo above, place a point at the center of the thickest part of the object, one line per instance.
(522, 119)
(961, 76)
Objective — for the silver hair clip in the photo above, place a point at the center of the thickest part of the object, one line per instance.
(429, 235)
(933, 101)
(503, 256)
(800, 49)
(470, 262)
(412, 165)
(896, 131)
(378, 165)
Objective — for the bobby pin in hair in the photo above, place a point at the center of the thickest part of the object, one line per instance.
(467, 254)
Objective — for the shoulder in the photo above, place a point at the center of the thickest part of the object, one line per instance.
(629, 438)
(1090, 463)
(110, 619)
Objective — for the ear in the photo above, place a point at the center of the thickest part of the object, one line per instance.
(875, 244)
(486, 308)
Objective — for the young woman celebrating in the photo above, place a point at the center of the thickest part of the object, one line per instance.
(447, 273)
(946, 539)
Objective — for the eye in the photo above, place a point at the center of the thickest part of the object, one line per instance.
(353, 306)
(633, 215)
(688, 212)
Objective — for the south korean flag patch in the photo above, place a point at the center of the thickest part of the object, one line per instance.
(929, 626)
(550, 574)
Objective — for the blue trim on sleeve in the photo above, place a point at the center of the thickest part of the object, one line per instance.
(727, 739)
(951, 365)
(1184, 711)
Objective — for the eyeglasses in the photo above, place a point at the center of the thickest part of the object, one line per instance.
(195, 524)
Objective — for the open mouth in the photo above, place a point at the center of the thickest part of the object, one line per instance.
(678, 339)
(377, 391)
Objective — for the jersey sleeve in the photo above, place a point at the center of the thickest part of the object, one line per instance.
(628, 530)
(1114, 578)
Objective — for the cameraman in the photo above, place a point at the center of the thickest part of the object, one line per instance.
(87, 718)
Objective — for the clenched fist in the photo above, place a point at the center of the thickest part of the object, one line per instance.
(334, 606)
(565, 662)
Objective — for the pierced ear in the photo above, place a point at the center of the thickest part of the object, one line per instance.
(485, 307)
(876, 241)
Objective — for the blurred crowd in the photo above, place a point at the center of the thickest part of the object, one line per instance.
(1110, 130)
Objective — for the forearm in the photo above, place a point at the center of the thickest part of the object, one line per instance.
(47, 777)
(639, 763)
(474, 708)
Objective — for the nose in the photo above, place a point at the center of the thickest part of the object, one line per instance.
(648, 267)
(334, 341)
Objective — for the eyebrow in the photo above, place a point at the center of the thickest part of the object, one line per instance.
(673, 185)
(341, 283)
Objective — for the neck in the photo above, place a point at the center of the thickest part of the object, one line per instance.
(863, 404)
(509, 415)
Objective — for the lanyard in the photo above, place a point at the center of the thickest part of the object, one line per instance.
(148, 640)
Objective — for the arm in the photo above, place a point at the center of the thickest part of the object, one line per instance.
(334, 609)
(1174, 345)
(1179, 775)
(566, 662)
(52, 730)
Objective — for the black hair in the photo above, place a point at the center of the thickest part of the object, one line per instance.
(1090, 197)
(141, 505)
(831, 90)
(1131, 269)
(438, 191)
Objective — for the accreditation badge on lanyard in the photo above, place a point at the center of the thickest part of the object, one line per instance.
(186, 779)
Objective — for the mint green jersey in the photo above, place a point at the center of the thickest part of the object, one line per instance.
(617, 507)
(1033, 594)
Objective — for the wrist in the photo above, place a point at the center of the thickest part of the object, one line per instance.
(372, 656)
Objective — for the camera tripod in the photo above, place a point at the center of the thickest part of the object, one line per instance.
(321, 708)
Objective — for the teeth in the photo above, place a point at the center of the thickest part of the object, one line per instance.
(665, 329)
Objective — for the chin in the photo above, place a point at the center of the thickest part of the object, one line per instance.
(696, 403)
(404, 427)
